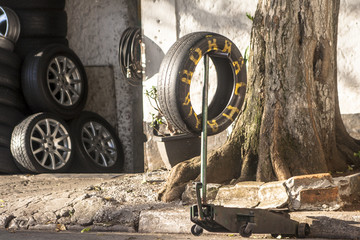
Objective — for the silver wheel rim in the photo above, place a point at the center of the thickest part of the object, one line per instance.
(99, 144)
(50, 144)
(64, 81)
(9, 24)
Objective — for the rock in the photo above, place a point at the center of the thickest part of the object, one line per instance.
(45, 217)
(85, 210)
(243, 195)
(320, 198)
(116, 215)
(174, 220)
(5, 220)
(273, 195)
(22, 222)
(352, 124)
(296, 185)
(189, 195)
(349, 190)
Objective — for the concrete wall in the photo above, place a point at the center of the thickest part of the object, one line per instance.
(229, 18)
(94, 31)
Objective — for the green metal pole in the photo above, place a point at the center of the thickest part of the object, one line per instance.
(204, 128)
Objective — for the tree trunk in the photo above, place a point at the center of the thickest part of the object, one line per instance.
(290, 123)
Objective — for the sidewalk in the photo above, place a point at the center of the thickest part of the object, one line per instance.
(122, 203)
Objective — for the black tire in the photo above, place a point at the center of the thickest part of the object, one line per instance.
(40, 23)
(9, 77)
(33, 4)
(303, 230)
(42, 143)
(243, 232)
(89, 160)
(6, 44)
(24, 46)
(11, 98)
(10, 59)
(10, 116)
(177, 66)
(5, 136)
(40, 86)
(7, 163)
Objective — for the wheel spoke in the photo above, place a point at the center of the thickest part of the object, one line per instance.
(67, 92)
(36, 139)
(48, 130)
(71, 71)
(107, 139)
(40, 149)
(58, 65)
(62, 95)
(93, 128)
(90, 134)
(54, 71)
(91, 149)
(60, 157)
(72, 89)
(53, 161)
(43, 161)
(62, 148)
(103, 159)
(40, 130)
(65, 65)
(97, 155)
(62, 138)
(75, 81)
(86, 139)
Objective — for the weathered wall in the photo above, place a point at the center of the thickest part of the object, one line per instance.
(348, 56)
(94, 31)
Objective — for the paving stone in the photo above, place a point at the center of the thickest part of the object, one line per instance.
(296, 184)
(189, 195)
(273, 195)
(243, 194)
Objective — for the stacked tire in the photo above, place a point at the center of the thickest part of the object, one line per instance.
(42, 22)
(54, 86)
(12, 104)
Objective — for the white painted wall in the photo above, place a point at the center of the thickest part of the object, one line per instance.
(228, 17)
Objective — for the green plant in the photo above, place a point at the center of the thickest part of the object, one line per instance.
(357, 154)
(246, 54)
(157, 119)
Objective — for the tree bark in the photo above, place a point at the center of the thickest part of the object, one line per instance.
(290, 123)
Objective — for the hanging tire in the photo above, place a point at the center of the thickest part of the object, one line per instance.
(33, 4)
(42, 143)
(7, 164)
(175, 79)
(42, 23)
(10, 116)
(98, 149)
(24, 46)
(54, 80)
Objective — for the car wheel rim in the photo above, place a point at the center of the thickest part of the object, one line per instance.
(4, 23)
(50, 144)
(99, 144)
(64, 81)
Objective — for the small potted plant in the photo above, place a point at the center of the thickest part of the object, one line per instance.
(174, 147)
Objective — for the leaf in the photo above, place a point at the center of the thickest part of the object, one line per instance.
(86, 229)
(249, 16)
(60, 227)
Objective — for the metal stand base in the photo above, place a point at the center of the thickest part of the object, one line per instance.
(246, 221)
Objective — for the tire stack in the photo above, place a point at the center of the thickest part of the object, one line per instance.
(54, 85)
(42, 22)
(11, 102)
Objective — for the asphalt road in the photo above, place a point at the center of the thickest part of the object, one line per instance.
(38, 235)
